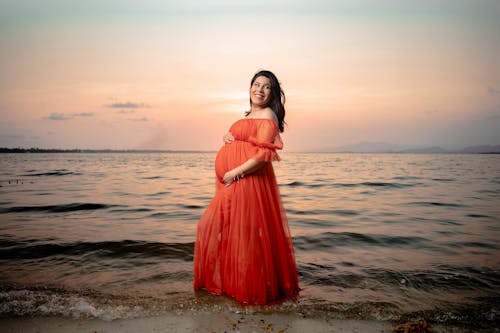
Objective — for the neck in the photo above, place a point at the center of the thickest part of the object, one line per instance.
(256, 108)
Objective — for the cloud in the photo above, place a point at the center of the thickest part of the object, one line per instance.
(58, 116)
(127, 105)
(493, 90)
(63, 116)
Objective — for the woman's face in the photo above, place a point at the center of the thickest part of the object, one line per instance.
(260, 91)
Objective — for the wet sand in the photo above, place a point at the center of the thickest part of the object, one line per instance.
(196, 322)
(205, 322)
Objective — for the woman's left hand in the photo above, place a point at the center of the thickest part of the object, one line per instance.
(228, 138)
(229, 177)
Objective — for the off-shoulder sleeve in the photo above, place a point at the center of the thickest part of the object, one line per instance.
(267, 140)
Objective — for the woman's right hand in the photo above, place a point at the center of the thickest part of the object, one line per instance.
(228, 138)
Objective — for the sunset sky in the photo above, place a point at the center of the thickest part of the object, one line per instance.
(175, 74)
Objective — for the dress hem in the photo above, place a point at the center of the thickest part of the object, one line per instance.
(281, 300)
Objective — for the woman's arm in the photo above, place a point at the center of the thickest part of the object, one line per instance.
(246, 168)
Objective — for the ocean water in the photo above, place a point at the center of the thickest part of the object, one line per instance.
(376, 236)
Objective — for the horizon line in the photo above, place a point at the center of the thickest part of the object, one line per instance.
(425, 150)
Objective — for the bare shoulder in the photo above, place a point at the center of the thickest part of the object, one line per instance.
(268, 113)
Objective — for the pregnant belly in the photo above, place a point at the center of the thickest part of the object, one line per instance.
(232, 155)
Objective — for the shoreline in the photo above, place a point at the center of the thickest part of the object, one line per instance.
(210, 322)
(193, 322)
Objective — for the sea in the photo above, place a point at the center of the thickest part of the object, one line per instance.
(389, 237)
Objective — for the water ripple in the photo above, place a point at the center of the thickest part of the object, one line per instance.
(328, 240)
(56, 208)
(111, 249)
(58, 172)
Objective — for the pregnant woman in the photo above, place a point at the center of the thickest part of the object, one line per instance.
(243, 245)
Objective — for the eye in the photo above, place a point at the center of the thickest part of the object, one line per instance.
(256, 84)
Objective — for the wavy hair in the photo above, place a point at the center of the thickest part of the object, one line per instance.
(277, 99)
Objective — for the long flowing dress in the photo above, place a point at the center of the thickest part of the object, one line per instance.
(243, 245)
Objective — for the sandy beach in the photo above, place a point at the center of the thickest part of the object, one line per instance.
(208, 322)
(200, 322)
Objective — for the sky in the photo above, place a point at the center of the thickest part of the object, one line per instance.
(154, 74)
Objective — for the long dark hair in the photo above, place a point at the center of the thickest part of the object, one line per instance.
(277, 100)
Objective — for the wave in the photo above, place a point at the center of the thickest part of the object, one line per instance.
(338, 212)
(161, 193)
(443, 179)
(442, 221)
(184, 206)
(482, 245)
(58, 172)
(46, 301)
(482, 312)
(434, 203)
(443, 279)
(56, 208)
(406, 178)
(28, 249)
(153, 177)
(495, 191)
(298, 184)
(112, 249)
(33, 249)
(133, 210)
(328, 240)
(390, 185)
(349, 185)
(480, 216)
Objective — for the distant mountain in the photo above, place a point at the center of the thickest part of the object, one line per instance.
(384, 147)
(481, 149)
(426, 150)
(367, 147)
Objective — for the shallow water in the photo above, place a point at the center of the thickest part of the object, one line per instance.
(377, 236)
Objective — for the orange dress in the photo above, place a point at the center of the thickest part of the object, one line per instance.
(243, 245)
